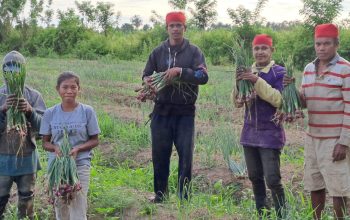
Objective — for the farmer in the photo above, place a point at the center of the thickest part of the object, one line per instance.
(172, 119)
(81, 123)
(262, 139)
(326, 90)
(19, 162)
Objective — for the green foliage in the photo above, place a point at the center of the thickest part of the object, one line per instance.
(13, 41)
(245, 17)
(93, 47)
(345, 43)
(204, 13)
(69, 32)
(104, 13)
(42, 43)
(10, 9)
(214, 44)
(320, 11)
(136, 21)
(297, 41)
(130, 134)
(87, 11)
(178, 4)
(36, 7)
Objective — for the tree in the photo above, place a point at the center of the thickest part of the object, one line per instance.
(146, 27)
(126, 28)
(10, 9)
(48, 14)
(36, 7)
(88, 13)
(136, 21)
(156, 19)
(320, 11)
(204, 13)
(220, 25)
(69, 32)
(117, 18)
(104, 16)
(242, 16)
(9, 12)
(247, 21)
(179, 4)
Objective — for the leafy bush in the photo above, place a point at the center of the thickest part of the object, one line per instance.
(68, 33)
(214, 44)
(344, 49)
(298, 42)
(13, 41)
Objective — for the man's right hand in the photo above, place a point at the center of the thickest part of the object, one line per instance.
(11, 100)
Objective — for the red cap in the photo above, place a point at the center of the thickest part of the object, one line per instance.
(262, 39)
(175, 16)
(326, 30)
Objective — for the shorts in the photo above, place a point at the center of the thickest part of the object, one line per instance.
(320, 172)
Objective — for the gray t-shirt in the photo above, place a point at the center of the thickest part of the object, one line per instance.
(80, 124)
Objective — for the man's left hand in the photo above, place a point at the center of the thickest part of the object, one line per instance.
(24, 106)
(171, 73)
(339, 152)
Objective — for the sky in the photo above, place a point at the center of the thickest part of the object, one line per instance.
(274, 10)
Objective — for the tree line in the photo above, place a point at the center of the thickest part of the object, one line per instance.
(90, 31)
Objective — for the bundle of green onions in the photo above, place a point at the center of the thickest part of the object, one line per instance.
(242, 56)
(291, 108)
(14, 75)
(154, 83)
(62, 172)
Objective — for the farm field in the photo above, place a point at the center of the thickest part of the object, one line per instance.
(122, 177)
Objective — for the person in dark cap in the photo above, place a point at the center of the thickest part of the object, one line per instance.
(19, 162)
(172, 119)
(326, 90)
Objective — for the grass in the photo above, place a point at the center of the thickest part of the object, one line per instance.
(121, 182)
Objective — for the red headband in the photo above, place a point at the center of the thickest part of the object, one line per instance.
(262, 39)
(326, 30)
(175, 16)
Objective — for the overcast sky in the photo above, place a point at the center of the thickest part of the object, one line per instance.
(275, 10)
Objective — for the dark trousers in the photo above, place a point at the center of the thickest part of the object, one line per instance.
(25, 186)
(166, 131)
(264, 165)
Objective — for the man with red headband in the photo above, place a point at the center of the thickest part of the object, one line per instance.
(172, 119)
(326, 90)
(261, 138)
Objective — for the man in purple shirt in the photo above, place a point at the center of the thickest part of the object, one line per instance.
(261, 138)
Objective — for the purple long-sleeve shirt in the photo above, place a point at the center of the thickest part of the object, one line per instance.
(258, 129)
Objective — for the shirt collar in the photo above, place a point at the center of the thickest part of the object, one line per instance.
(334, 61)
(265, 69)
